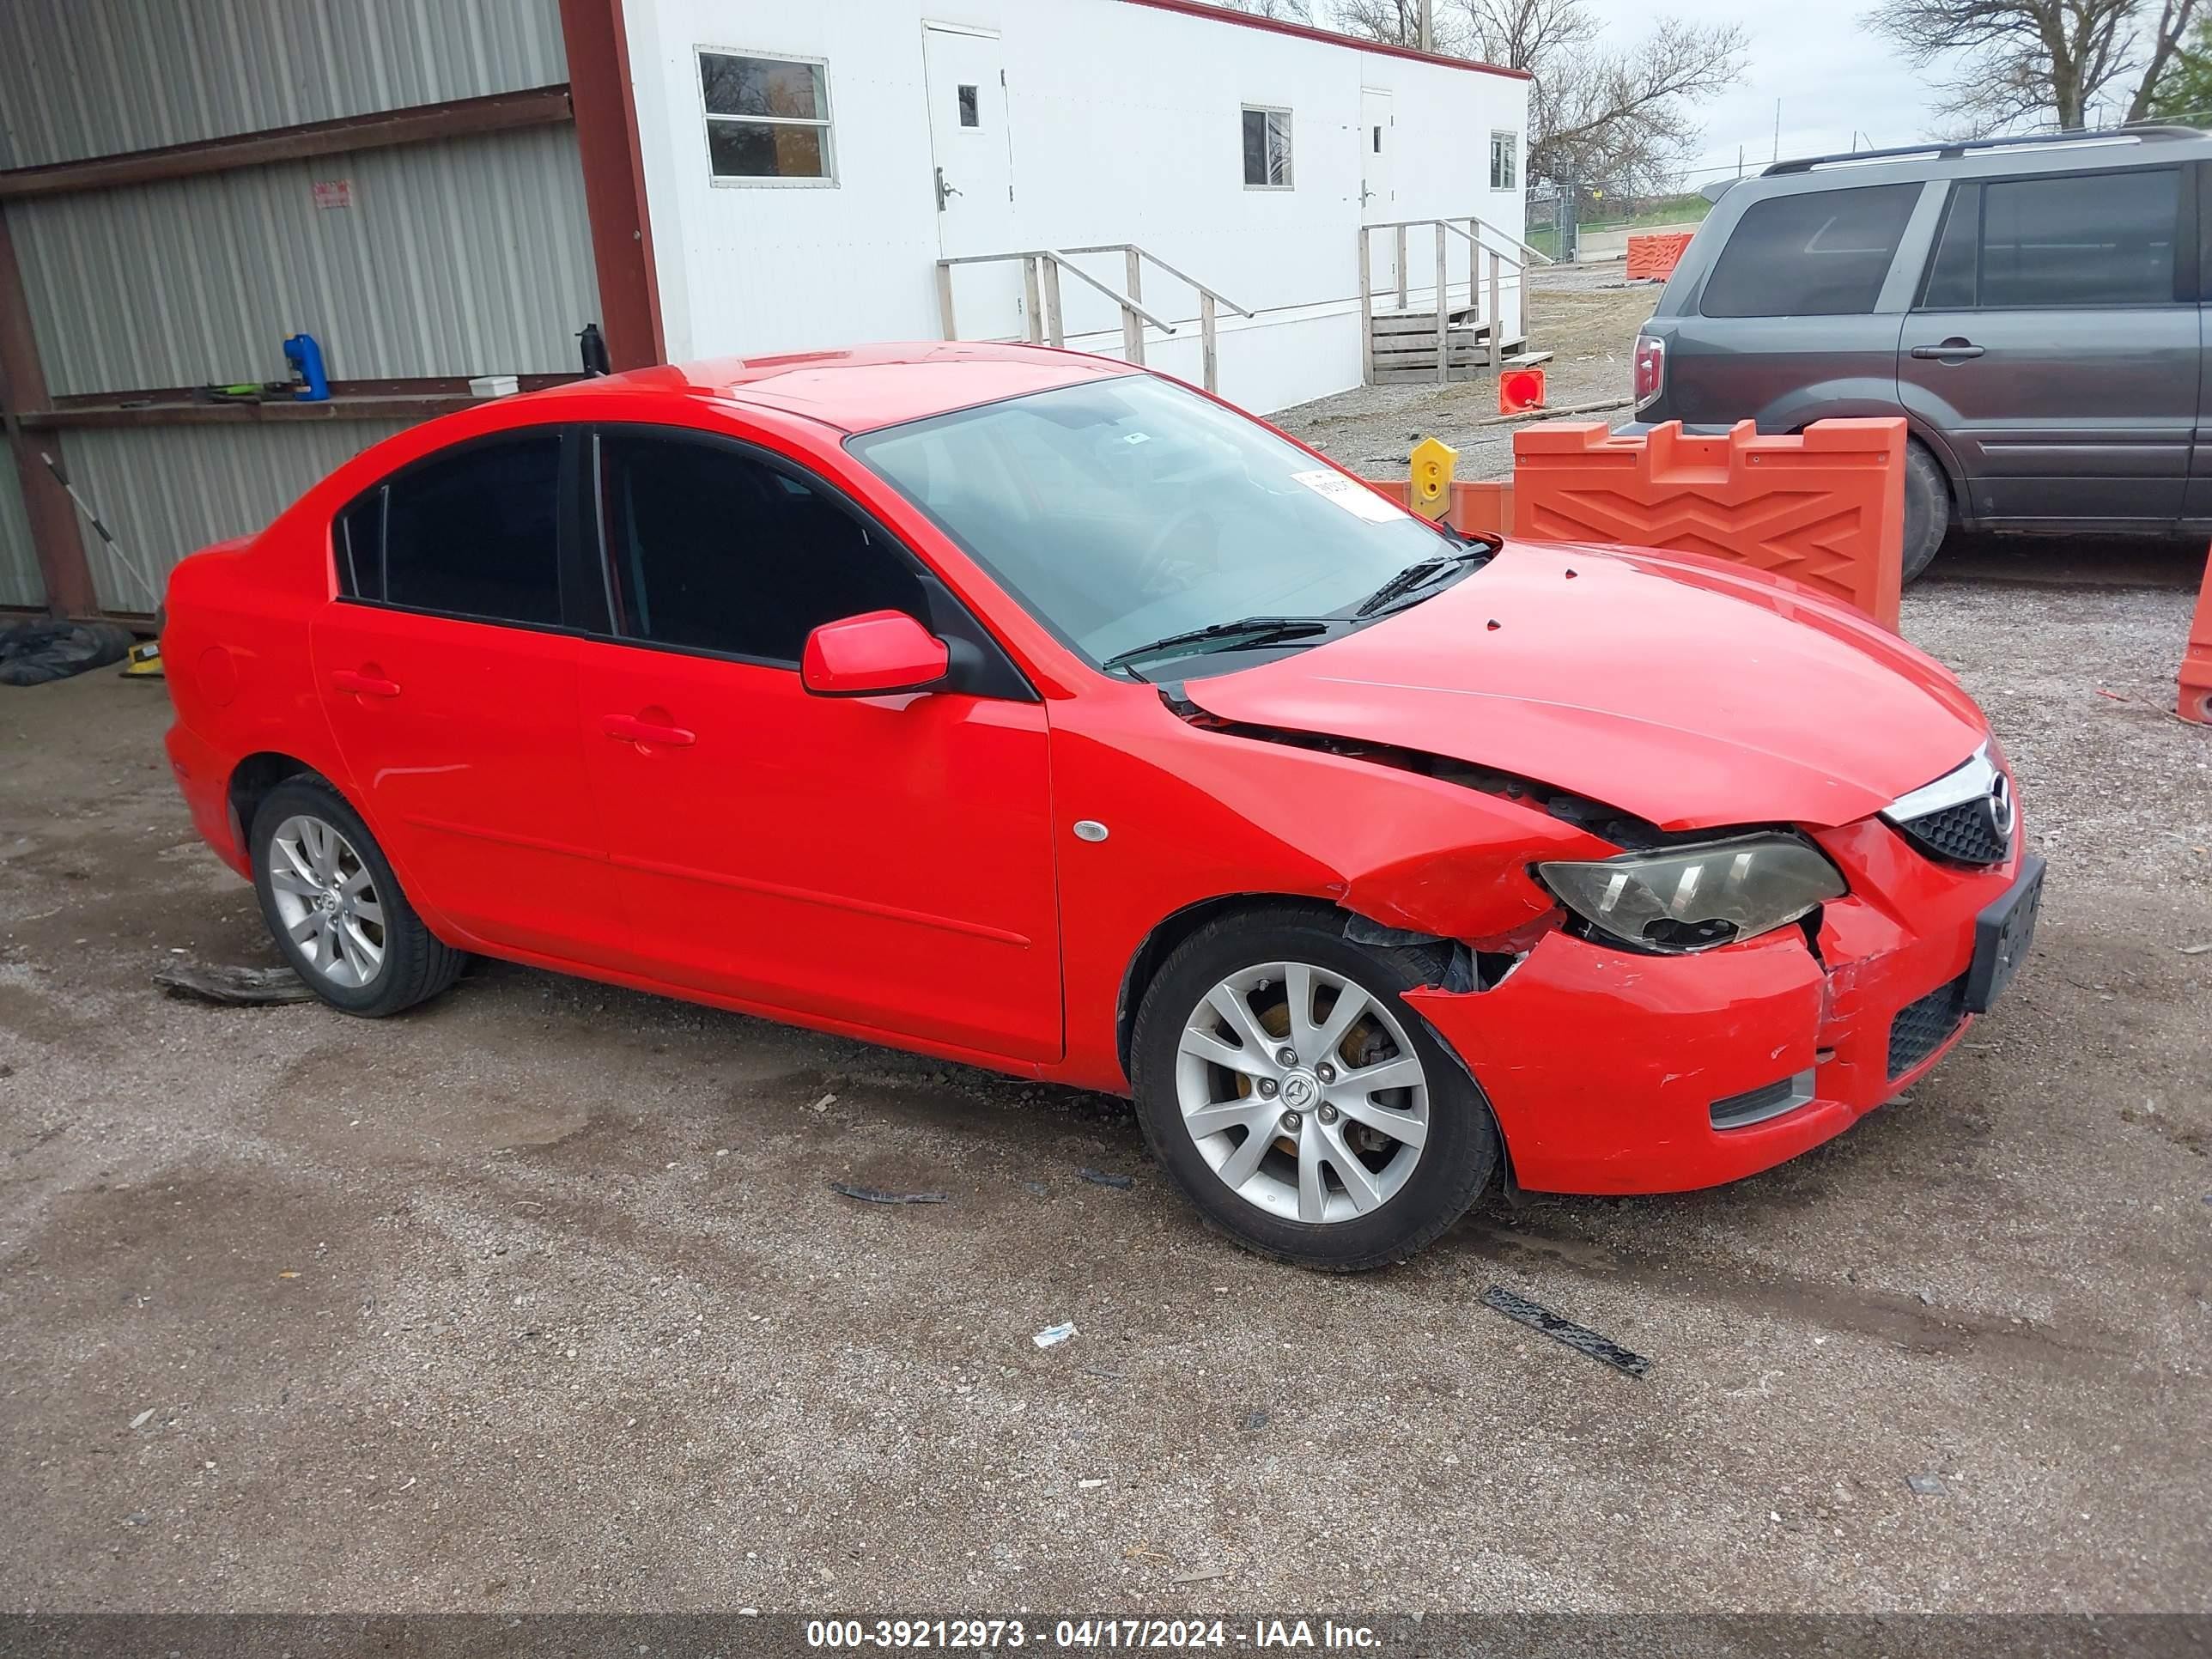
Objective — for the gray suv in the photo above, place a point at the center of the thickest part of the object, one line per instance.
(2033, 308)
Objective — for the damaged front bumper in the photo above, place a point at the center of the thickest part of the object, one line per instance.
(1613, 1071)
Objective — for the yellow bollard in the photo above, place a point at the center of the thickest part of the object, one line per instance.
(1432, 461)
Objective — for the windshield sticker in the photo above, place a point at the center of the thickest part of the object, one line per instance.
(1354, 498)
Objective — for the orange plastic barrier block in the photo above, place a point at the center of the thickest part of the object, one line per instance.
(1520, 389)
(2196, 659)
(1478, 509)
(1655, 257)
(1825, 507)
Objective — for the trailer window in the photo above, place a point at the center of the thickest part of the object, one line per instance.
(1505, 161)
(1267, 149)
(767, 118)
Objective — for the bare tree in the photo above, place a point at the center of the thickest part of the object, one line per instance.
(1289, 11)
(1396, 23)
(1621, 117)
(2039, 61)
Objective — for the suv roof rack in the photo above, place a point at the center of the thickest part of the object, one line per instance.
(1950, 152)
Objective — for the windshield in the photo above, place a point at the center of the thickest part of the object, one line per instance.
(1128, 510)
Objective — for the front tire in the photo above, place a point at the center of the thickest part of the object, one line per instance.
(1284, 1084)
(336, 909)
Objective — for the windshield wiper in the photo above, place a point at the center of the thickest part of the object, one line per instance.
(1420, 574)
(1244, 633)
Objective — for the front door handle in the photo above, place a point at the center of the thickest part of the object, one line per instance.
(364, 683)
(658, 734)
(1952, 351)
(944, 188)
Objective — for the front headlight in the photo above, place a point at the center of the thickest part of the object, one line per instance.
(1691, 899)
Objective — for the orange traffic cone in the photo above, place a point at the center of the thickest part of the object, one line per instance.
(1520, 389)
(2196, 659)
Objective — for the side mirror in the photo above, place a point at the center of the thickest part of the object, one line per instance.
(872, 655)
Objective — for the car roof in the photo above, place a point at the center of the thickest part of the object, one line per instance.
(861, 388)
(2069, 152)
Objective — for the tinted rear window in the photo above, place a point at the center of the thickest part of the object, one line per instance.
(1823, 253)
(472, 533)
(2094, 239)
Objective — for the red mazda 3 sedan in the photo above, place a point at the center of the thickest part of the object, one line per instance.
(1026, 709)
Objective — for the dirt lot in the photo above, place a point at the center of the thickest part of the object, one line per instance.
(538, 1299)
(1586, 315)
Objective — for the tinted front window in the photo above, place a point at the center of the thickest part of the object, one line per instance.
(1823, 253)
(714, 551)
(1123, 510)
(471, 533)
(2097, 239)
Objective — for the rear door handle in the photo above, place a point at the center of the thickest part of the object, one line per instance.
(363, 684)
(629, 728)
(1949, 352)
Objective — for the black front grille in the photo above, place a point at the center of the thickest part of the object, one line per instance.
(1922, 1027)
(1965, 834)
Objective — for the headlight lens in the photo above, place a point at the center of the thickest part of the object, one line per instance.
(1692, 898)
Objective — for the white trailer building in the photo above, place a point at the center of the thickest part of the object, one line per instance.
(843, 171)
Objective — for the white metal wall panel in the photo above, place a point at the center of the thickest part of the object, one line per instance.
(19, 580)
(468, 256)
(167, 491)
(81, 78)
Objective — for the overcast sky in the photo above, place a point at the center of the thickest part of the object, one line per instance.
(1831, 73)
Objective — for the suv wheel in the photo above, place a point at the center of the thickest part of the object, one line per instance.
(1927, 510)
(1295, 1099)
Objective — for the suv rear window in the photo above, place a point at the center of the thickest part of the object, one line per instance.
(1820, 253)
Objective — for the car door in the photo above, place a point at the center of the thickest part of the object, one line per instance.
(450, 685)
(882, 862)
(2054, 347)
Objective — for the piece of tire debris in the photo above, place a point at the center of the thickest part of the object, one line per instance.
(1580, 1338)
(232, 986)
(878, 1195)
(1106, 1178)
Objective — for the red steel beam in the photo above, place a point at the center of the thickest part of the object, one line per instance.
(539, 107)
(614, 181)
(56, 536)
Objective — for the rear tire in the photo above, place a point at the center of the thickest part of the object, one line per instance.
(336, 909)
(1927, 510)
(1272, 1135)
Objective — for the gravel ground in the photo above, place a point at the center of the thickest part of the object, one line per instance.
(538, 1299)
(1588, 315)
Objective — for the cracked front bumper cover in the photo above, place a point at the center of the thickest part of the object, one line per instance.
(1602, 1065)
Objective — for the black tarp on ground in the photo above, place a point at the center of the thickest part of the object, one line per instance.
(33, 653)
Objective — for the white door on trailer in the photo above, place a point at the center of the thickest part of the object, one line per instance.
(975, 179)
(1377, 200)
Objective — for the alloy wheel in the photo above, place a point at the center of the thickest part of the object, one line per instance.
(1302, 1091)
(327, 900)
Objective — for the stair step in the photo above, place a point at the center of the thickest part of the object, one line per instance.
(1420, 322)
(1412, 376)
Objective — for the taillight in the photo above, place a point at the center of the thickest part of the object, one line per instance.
(1650, 368)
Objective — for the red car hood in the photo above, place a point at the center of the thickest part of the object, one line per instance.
(1687, 691)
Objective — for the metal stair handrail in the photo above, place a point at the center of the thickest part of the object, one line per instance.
(1040, 269)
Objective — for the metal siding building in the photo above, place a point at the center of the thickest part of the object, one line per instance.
(220, 69)
(20, 582)
(408, 183)
(469, 255)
